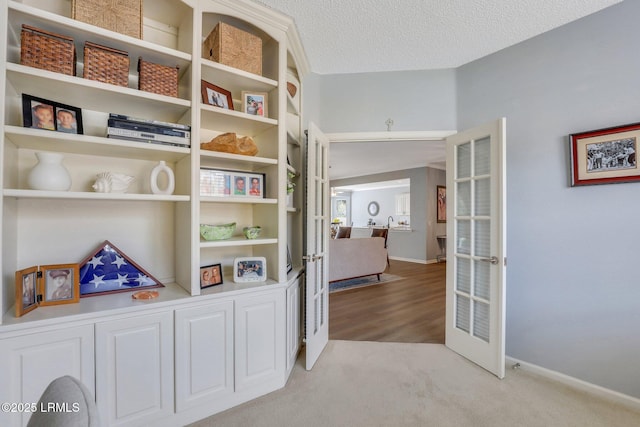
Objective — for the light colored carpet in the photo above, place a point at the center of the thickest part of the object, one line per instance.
(367, 384)
(360, 282)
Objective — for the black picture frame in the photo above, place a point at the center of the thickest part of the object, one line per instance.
(226, 183)
(211, 275)
(55, 116)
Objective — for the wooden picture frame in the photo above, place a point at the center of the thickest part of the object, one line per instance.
(255, 103)
(605, 156)
(216, 96)
(39, 113)
(210, 275)
(249, 269)
(45, 285)
(441, 204)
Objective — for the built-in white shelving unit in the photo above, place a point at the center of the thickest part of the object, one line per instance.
(159, 232)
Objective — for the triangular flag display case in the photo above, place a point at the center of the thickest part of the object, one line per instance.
(108, 269)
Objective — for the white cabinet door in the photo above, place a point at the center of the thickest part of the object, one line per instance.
(294, 319)
(204, 354)
(260, 343)
(28, 363)
(134, 369)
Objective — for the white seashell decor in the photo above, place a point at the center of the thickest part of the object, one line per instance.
(108, 182)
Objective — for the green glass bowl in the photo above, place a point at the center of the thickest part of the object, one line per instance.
(217, 232)
(252, 232)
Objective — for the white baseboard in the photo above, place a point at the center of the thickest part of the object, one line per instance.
(417, 261)
(594, 389)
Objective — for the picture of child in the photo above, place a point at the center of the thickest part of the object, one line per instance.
(42, 116)
(239, 188)
(66, 121)
(59, 285)
(255, 189)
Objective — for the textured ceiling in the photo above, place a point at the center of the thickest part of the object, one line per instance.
(355, 36)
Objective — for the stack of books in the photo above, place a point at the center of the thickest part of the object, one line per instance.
(134, 129)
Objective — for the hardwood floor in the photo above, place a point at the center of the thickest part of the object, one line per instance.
(408, 310)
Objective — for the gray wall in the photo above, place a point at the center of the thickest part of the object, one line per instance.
(415, 100)
(573, 302)
(423, 212)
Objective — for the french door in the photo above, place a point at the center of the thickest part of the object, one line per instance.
(317, 211)
(476, 254)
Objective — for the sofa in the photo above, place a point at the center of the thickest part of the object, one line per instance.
(351, 258)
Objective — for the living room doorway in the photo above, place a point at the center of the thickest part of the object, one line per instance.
(410, 309)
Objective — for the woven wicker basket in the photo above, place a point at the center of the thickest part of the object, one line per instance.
(234, 47)
(124, 17)
(47, 51)
(158, 78)
(106, 64)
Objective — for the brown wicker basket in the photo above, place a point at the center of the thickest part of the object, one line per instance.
(234, 47)
(106, 64)
(47, 51)
(158, 78)
(124, 17)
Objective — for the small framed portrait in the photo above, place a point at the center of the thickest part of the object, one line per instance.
(441, 201)
(255, 103)
(249, 269)
(256, 185)
(26, 290)
(46, 285)
(210, 275)
(39, 113)
(605, 156)
(66, 120)
(216, 96)
(61, 284)
(239, 185)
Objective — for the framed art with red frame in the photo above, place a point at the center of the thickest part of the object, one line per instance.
(605, 156)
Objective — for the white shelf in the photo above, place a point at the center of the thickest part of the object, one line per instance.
(235, 80)
(233, 161)
(37, 139)
(241, 123)
(78, 195)
(237, 241)
(245, 200)
(23, 14)
(93, 95)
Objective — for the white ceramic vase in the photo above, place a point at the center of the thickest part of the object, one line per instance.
(155, 174)
(49, 173)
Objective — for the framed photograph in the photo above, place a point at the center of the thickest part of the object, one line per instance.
(26, 290)
(41, 113)
(250, 269)
(239, 185)
(215, 183)
(210, 275)
(289, 261)
(254, 103)
(216, 96)
(61, 284)
(46, 285)
(256, 187)
(605, 156)
(441, 195)
(225, 183)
